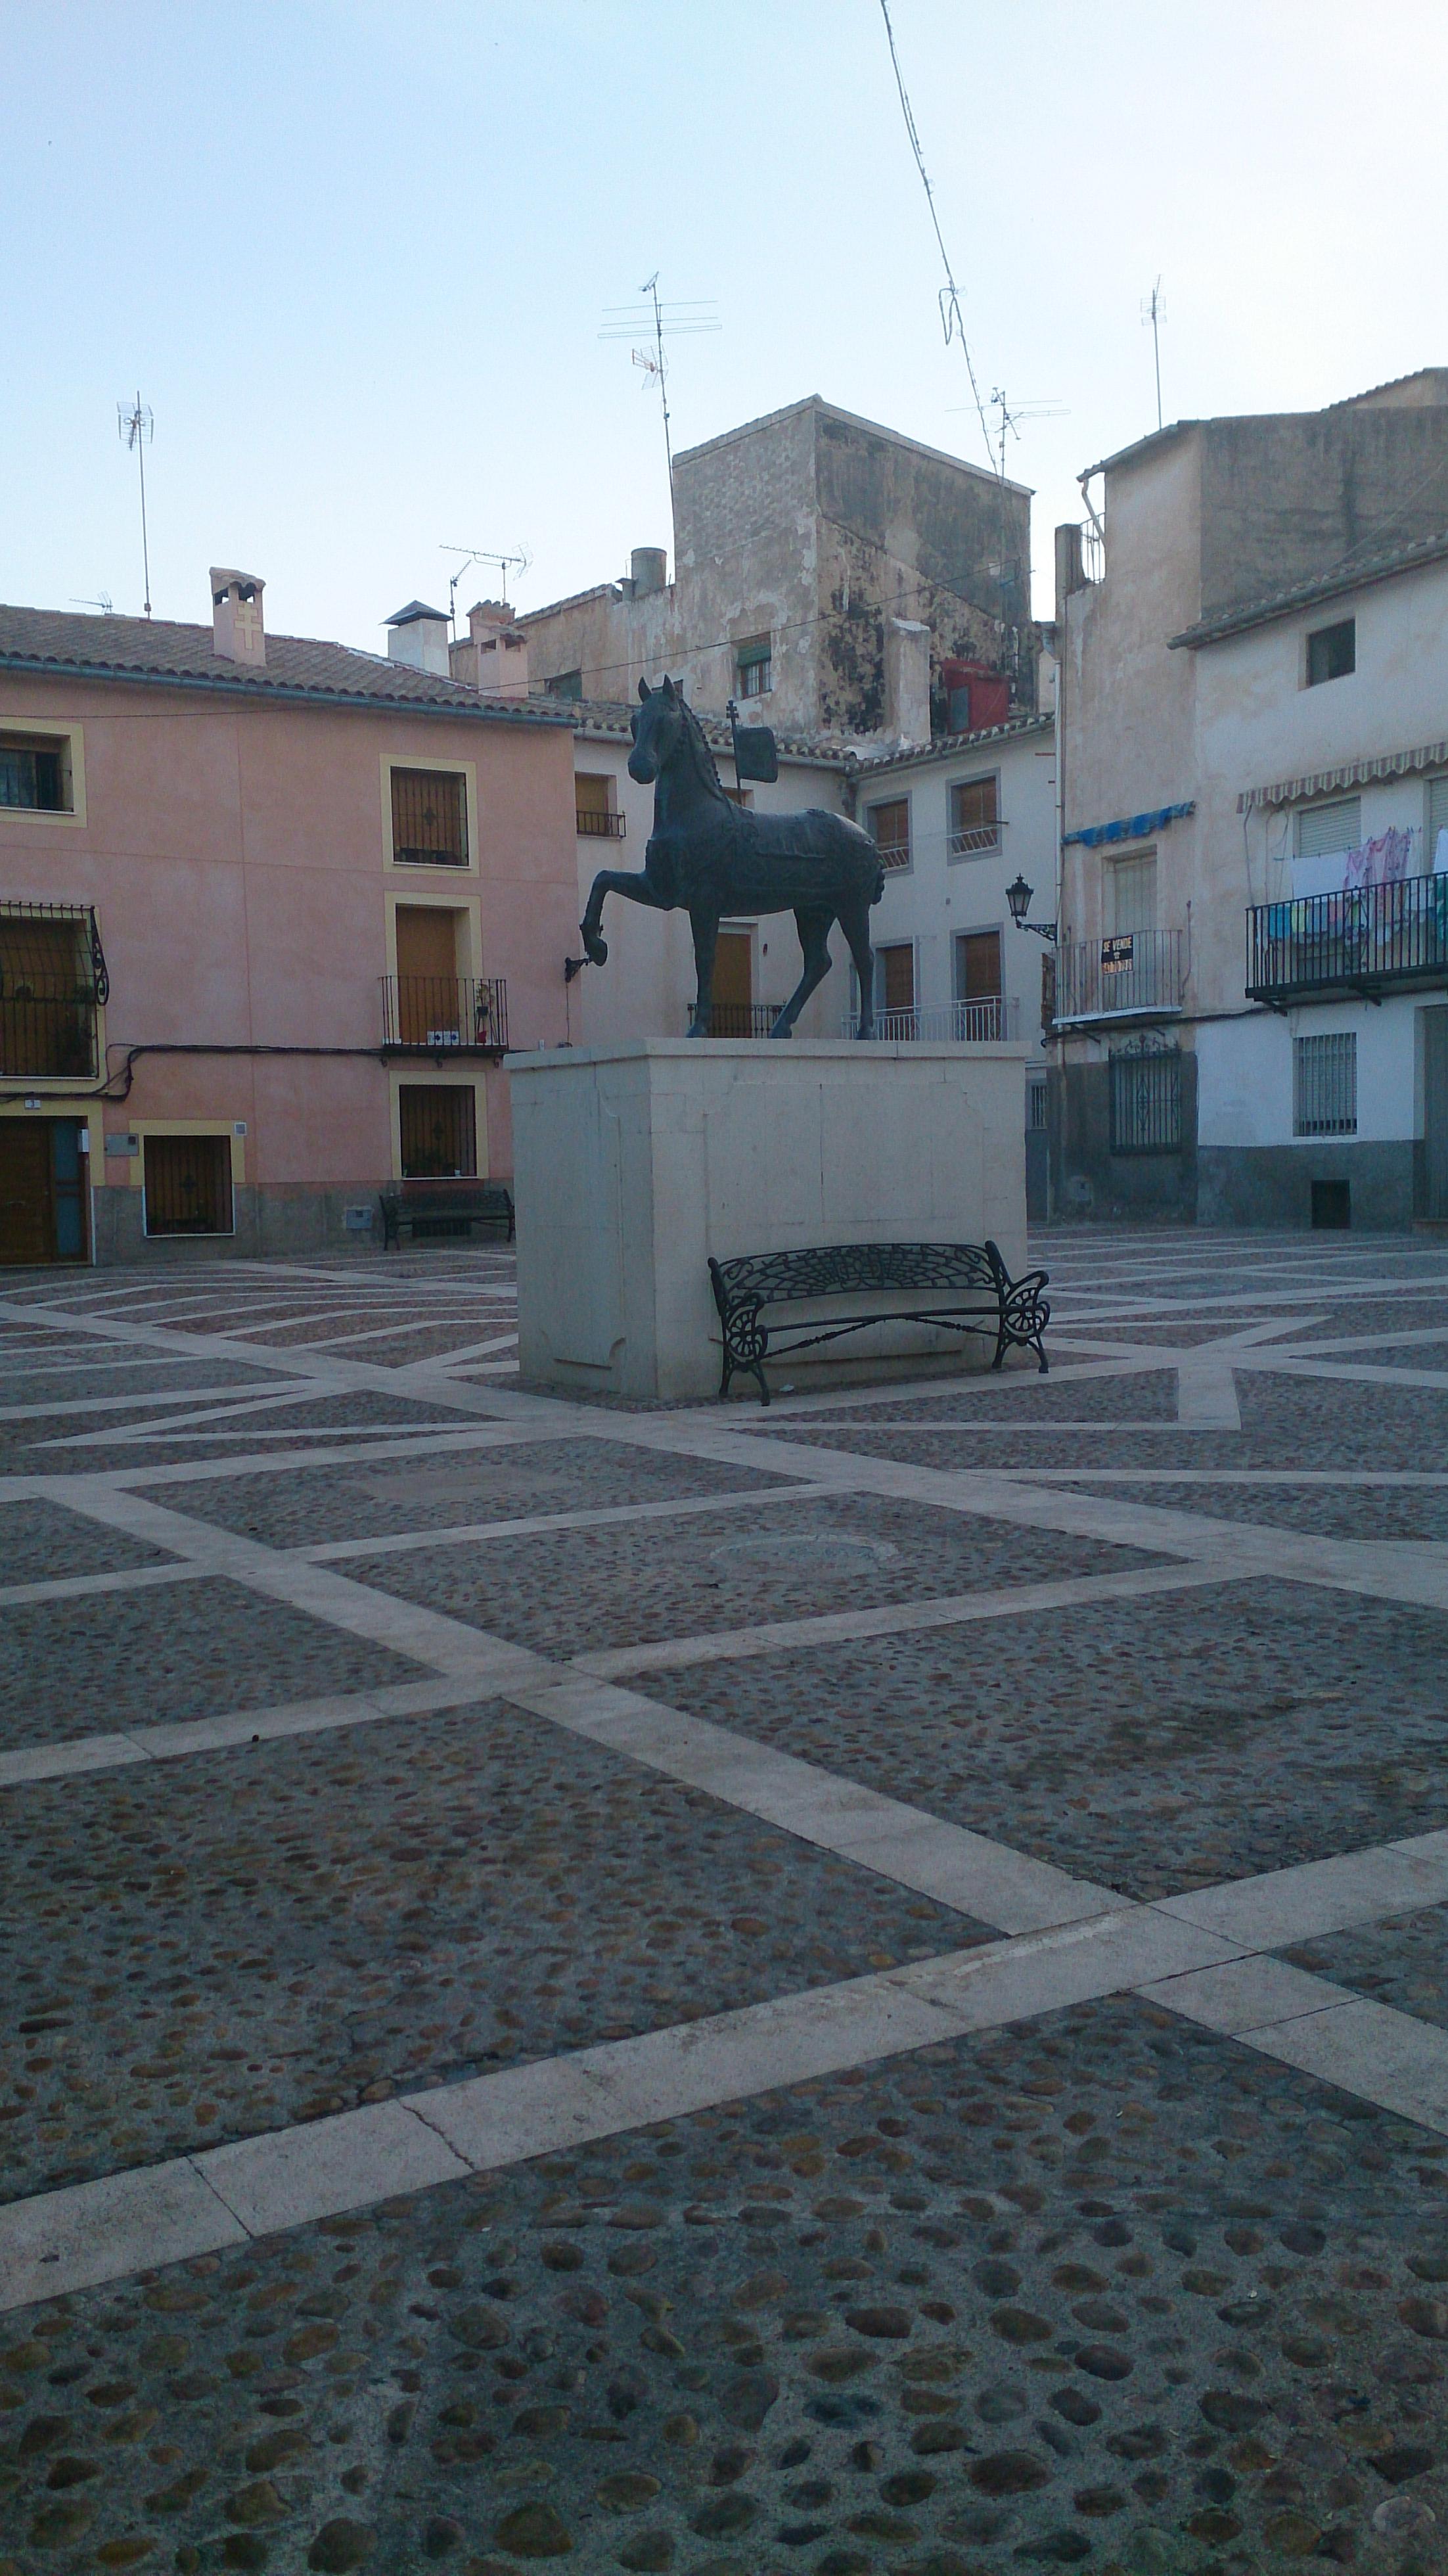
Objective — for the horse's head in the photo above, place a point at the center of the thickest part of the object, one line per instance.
(657, 731)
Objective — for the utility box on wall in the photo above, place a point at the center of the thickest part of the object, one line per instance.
(633, 1164)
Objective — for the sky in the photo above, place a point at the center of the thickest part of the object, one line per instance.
(357, 255)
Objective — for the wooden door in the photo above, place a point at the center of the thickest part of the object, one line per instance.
(978, 984)
(427, 974)
(897, 976)
(732, 1015)
(27, 1223)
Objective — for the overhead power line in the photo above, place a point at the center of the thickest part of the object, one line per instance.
(951, 319)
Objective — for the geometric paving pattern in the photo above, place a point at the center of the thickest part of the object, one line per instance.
(855, 1987)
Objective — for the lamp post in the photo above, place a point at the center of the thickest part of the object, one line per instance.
(1018, 896)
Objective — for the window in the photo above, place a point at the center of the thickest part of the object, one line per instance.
(565, 684)
(979, 1014)
(889, 829)
(1324, 1085)
(1436, 862)
(593, 802)
(50, 982)
(975, 824)
(1131, 895)
(188, 1185)
(429, 818)
(1332, 652)
(753, 663)
(1035, 1104)
(35, 773)
(439, 1132)
(1323, 830)
(1146, 1099)
(895, 977)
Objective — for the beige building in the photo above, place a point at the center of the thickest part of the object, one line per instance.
(850, 580)
(1258, 624)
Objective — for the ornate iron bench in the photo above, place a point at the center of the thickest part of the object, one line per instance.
(963, 1286)
(444, 1208)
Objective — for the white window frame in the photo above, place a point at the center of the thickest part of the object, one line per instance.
(1324, 1072)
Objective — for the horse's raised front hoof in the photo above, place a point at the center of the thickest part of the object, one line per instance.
(594, 948)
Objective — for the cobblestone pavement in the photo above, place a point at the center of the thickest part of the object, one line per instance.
(855, 1988)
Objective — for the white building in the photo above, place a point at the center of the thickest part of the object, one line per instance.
(1322, 843)
(1252, 710)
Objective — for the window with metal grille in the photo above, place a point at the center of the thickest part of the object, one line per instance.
(35, 773)
(1324, 1084)
(1035, 1107)
(1323, 830)
(1146, 1100)
(429, 818)
(50, 983)
(439, 1132)
(188, 1185)
(1332, 652)
(975, 820)
(889, 829)
(753, 666)
(593, 795)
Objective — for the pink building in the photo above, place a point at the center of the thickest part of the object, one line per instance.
(270, 912)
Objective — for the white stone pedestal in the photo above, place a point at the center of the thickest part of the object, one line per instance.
(633, 1163)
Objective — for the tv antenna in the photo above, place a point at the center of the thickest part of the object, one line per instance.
(1010, 415)
(518, 563)
(136, 426)
(104, 603)
(1153, 310)
(663, 321)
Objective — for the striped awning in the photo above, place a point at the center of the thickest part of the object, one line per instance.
(1348, 773)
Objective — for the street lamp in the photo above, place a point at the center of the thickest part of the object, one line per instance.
(1018, 896)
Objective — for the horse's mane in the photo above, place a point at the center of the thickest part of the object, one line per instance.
(703, 757)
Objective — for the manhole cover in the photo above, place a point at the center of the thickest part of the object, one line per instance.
(803, 1555)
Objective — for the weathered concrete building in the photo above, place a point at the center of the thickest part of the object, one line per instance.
(1246, 563)
(850, 579)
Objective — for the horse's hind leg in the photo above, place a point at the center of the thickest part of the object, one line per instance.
(854, 918)
(705, 927)
(813, 926)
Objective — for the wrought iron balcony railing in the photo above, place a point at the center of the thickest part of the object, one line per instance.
(979, 1023)
(1136, 975)
(742, 1019)
(48, 1034)
(1368, 941)
(595, 825)
(428, 1014)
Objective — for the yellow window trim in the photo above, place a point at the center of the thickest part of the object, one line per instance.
(71, 732)
(415, 871)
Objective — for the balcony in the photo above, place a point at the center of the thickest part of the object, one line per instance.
(974, 841)
(981, 1023)
(596, 825)
(1137, 975)
(47, 1034)
(742, 1019)
(1375, 940)
(444, 1015)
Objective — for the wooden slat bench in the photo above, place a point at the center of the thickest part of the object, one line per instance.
(964, 1287)
(437, 1208)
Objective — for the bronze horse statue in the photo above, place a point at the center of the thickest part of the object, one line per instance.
(714, 859)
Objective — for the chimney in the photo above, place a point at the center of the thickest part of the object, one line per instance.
(237, 633)
(907, 679)
(649, 570)
(417, 635)
(494, 657)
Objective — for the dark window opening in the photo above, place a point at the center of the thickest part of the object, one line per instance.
(1332, 652)
(1146, 1101)
(429, 818)
(439, 1132)
(889, 827)
(975, 825)
(34, 775)
(566, 684)
(188, 1185)
(1332, 1205)
(753, 664)
(48, 993)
